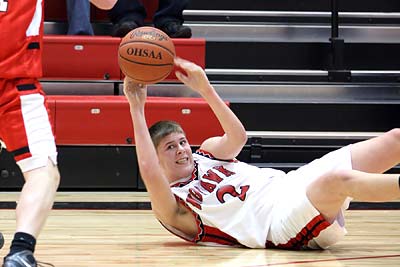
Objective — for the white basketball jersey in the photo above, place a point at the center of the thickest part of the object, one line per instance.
(232, 200)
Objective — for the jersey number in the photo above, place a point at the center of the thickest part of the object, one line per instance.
(3, 5)
(231, 190)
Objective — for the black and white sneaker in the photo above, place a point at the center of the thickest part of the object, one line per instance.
(1, 235)
(23, 258)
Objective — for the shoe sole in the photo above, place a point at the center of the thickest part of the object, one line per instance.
(187, 33)
(1, 240)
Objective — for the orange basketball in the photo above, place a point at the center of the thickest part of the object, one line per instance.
(146, 55)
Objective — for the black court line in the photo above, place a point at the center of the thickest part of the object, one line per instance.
(374, 206)
(326, 260)
(145, 205)
(89, 205)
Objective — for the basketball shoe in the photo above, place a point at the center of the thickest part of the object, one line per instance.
(23, 258)
(175, 29)
(1, 240)
(122, 28)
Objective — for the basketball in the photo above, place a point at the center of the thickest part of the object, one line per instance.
(146, 55)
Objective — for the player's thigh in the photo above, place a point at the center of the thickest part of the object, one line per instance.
(26, 128)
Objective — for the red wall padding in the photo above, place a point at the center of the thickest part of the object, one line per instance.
(105, 120)
(96, 57)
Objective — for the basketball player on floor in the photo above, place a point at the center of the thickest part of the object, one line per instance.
(209, 197)
(25, 126)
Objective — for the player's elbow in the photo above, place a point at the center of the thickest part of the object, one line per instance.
(239, 139)
(242, 137)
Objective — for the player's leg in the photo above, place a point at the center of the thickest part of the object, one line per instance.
(28, 136)
(329, 192)
(37, 197)
(378, 154)
(343, 174)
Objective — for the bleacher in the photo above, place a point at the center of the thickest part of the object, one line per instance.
(304, 77)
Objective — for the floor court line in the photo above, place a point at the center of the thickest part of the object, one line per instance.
(326, 260)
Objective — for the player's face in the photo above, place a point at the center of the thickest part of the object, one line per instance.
(175, 156)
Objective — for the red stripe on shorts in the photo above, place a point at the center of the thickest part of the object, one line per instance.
(310, 231)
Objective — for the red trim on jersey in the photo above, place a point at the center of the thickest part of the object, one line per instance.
(207, 154)
(196, 217)
(310, 231)
(207, 233)
(192, 177)
(214, 235)
(204, 233)
(198, 222)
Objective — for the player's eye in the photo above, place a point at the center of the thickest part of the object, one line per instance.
(170, 147)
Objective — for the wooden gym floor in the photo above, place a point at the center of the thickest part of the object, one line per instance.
(122, 236)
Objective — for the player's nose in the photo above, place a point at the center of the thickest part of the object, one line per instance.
(180, 149)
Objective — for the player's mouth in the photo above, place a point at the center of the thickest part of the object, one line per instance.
(182, 160)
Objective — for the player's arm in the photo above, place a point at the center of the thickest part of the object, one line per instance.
(104, 4)
(162, 199)
(231, 143)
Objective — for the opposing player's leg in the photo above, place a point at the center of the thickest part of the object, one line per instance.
(33, 208)
(36, 199)
(25, 115)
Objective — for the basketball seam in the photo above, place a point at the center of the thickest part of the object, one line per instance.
(159, 78)
(147, 42)
(147, 64)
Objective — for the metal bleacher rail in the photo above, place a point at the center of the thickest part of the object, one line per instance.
(262, 26)
(294, 26)
(313, 135)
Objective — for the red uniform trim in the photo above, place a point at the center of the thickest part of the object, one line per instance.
(205, 233)
(207, 154)
(310, 231)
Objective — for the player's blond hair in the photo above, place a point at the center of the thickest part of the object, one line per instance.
(161, 129)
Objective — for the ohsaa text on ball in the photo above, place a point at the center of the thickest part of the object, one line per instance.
(139, 52)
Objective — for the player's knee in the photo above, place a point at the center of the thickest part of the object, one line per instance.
(338, 181)
(394, 134)
(56, 176)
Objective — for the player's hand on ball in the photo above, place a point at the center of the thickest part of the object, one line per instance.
(136, 93)
(195, 77)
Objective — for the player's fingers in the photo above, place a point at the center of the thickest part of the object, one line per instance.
(183, 78)
(178, 61)
(184, 64)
